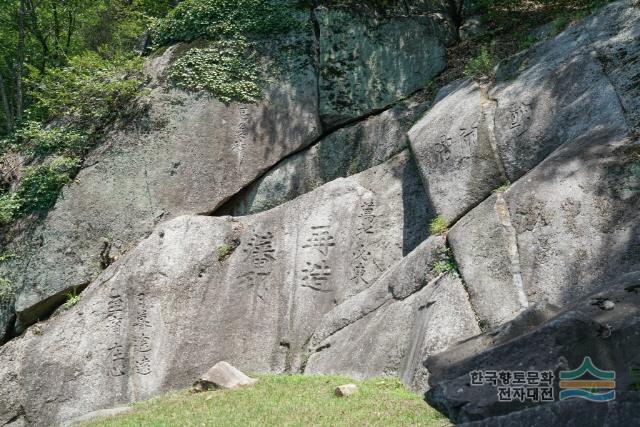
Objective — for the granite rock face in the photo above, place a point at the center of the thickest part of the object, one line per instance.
(199, 289)
(195, 154)
(572, 413)
(453, 149)
(556, 234)
(367, 62)
(609, 337)
(389, 329)
(342, 153)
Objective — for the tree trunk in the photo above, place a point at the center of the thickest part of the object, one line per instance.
(19, 64)
(8, 114)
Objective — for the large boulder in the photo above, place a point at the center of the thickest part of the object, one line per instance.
(347, 151)
(390, 328)
(453, 148)
(556, 234)
(368, 62)
(190, 154)
(572, 413)
(608, 333)
(200, 289)
(560, 90)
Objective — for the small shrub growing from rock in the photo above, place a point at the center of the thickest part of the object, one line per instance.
(482, 65)
(438, 225)
(504, 187)
(72, 299)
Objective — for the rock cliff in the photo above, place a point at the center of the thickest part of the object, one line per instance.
(292, 234)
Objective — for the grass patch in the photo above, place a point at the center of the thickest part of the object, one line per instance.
(439, 225)
(286, 400)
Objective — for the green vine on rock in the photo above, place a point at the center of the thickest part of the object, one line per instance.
(228, 66)
(225, 69)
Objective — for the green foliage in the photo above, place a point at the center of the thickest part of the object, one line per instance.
(213, 19)
(527, 40)
(89, 91)
(9, 207)
(504, 187)
(225, 69)
(482, 65)
(6, 291)
(444, 265)
(227, 249)
(7, 255)
(438, 225)
(72, 299)
(39, 186)
(287, 400)
(446, 262)
(223, 252)
(32, 138)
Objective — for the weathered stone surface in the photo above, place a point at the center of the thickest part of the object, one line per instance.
(572, 413)
(223, 375)
(548, 105)
(345, 152)
(172, 307)
(346, 390)
(485, 246)
(192, 154)
(609, 337)
(367, 63)
(556, 234)
(388, 329)
(453, 150)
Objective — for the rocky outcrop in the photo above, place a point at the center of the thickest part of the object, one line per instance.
(588, 328)
(192, 153)
(555, 117)
(366, 62)
(570, 413)
(202, 289)
(387, 331)
(453, 148)
(342, 153)
(327, 266)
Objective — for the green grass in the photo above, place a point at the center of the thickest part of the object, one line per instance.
(286, 400)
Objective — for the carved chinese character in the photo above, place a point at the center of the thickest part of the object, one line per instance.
(320, 239)
(519, 117)
(261, 251)
(367, 218)
(316, 275)
(142, 343)
(142, 364)
(468, 139)
(442, 149)
(116, 361)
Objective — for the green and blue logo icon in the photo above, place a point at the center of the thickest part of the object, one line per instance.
(599, 387)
